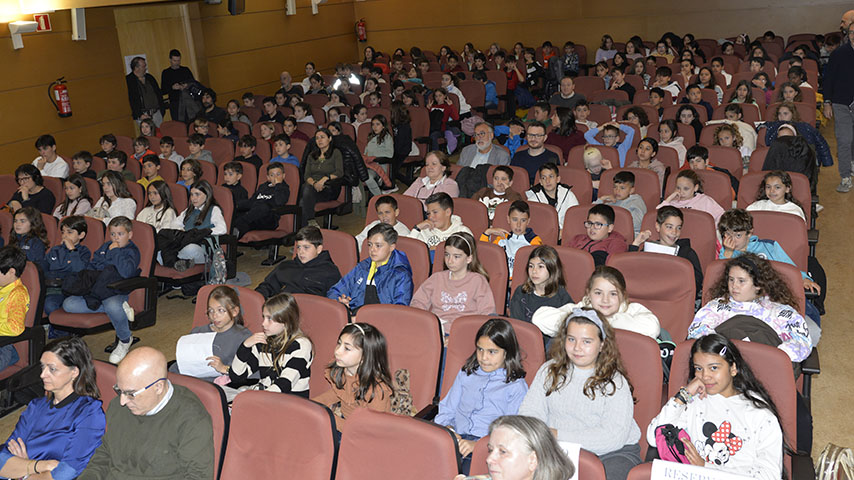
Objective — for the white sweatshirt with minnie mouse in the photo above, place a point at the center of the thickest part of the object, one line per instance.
(731, 434)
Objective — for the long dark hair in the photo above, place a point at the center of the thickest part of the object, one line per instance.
(373, 370)
(501, 333)
(556, 280)
(37, 228)
(567, 121)
(785, 179)
(384, 133)
(166, 201)
(763, 276)
(74, 353)
(210, 202)
(78, 181)
(120, 190)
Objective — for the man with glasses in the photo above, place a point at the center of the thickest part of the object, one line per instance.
(536, 154)
(154, 429)
(483, 151)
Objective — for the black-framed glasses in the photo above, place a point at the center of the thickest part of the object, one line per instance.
(132, 394)
(596, 225)
(23, 178)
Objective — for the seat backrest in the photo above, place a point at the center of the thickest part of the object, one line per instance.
(715, 184)
(6, 223)
(642, 96)
(461, 344)
(728, 158)
(642, 360)
(383, 445)
(208, 172)
(586, 85)
(251, 304)
(573, 223)
(579, 181)
(105, 378)
(173, 128)
(575, 159)
(222, 149)
(751, 113)
(213, 398)
(180, 197)
(411, 210)
(342, 248)
(589, 466)
(790, 274)
(138, 194)
(647, 185)
(168, 171)
(670, 297)
(416, 252)
(321, 319)
(143, 238)
(577, 267)
(33, 279)
(55, 186)
(698, 226)
(414, 343)
(788, 230)
(257, 439)
(494, 260)
(474, 215)
(671, 112)
(249, 179)
(521, 182)
(51, 227)
(748, 189)
(757, 159)
(543, 220)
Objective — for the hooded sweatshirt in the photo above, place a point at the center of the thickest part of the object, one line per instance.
(314, 277)
(701, 202)
(676, 144)
(433, 236)
(564, 199)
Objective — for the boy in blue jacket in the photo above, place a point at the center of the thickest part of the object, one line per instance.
(385, 277)
(611, 138)
(491, 97)
(115, 260)
(65, 259)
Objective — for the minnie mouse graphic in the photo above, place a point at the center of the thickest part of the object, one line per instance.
(720, 443)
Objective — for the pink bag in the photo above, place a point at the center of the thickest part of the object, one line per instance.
(668, 441)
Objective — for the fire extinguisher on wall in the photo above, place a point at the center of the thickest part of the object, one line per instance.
(58, 94)
(361, 30)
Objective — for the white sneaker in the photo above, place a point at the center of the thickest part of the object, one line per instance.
(120, 351)
(845, 185)
(128, 311)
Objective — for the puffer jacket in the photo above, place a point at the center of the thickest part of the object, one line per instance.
(393, 281)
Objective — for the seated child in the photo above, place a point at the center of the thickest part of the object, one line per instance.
(302, 112)
(595, 164)
(167, 151)
(689, 194)
(359, 375)
(384, 277)
(490, 384)
(196, 145)
(191, 173)
(512, 134)
(611, 138)
(545, 285)
(668, 136)
(694, 96)
(267, 129)
(225, 319)
(646, 152)
(441, 222)
(64, 260)
(259, 212)
(775, 194)
(108, 143)
(29, 234)
(735, 117)
(281, 147)
(202, 213)
(225, 129)
(147, 128)
(14, 301)
(600, 240)
(552, 192)
(668, 225)
(461, 290)
(117, 161)
(271, 112)
(730, 136)
(77, 200)
(81, 163)
(664, 81)
(520, 234)
(387, 212)
(290, 128)
(311, 271)
(248, 99)
(117, 200)
(160, 211)
(442, 113)
(141, 149)
(202, 127)
(491, 97)
(624, 196)
(150, 170)
(656, 100)
(246, 147)
(232, 172)
(582, 114)
(48, 162)
(499, 192)
(115, 260)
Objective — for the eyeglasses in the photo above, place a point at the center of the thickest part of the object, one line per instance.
(131, 395)
(610, 136)
(481, 134)
(23, 179)
(217, 311)
(595, 225)
(536, 135)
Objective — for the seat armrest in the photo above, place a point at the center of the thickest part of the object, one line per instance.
(812, 236)
(425, 140)
(286, 209)
(29, 333)
(802, 467)
(128, 285)
(811, 365)
(429, 412)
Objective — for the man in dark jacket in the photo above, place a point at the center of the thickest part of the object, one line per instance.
(259, 212)
(144, 95)
(173, 80)
(311, 272)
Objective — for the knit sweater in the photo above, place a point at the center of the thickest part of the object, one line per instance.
(701, 202)
(600, 249)
(601, 425)
(450, 299)
(175, 443)
(656, 166)
(421, 188)
(475, 400)
(154, 218)
(377, 399)
(633, 317)
(293, 368)
(785, 320)
(731, 434)
(120, 207)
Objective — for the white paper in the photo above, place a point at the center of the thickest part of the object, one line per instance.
(192, 352)
(573, 451)
(660, 248)
(662, 470)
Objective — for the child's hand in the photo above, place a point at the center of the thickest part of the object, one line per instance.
(424, 224)
(811, 286)
(696, 387)
(692, 454)
(466, 447)
(216, 363)
(255, 338)
(606, 198)
(641, 237)
(729, 244)
(113, 245)
(42, 161)
(345, 300)
(606, 164)
(68, 244)
(672, 197)
(18, 448)
(496, 231)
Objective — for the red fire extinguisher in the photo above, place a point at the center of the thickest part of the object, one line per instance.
(58, 94)
(361, 30)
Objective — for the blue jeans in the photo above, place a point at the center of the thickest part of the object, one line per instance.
(111, 306)
(8, 356)
(52, 303)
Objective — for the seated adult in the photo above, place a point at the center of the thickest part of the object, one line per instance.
(31, 191)
(565, 133)
(437, 167)
(483, 151)
(324, 168)
(566, 97)
(536, 154)
(58, 433)
(154, 429)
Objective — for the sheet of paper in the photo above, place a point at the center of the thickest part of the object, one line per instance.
(659, 248)
(573, 451)
(192, 352)
(662, 470)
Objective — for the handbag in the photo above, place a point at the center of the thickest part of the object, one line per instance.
(835, 463)
(668, 441)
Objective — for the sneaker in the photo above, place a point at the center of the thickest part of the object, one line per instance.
(818, 207)
(128, 311)
(393, 189)
(183, 265)
(120, 351)
(845, 185)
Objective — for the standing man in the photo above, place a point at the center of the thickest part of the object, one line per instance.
(839, 99)
(174, 79)
(144, 95)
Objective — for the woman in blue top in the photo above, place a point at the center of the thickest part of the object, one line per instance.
(58, 433)
(490, 384)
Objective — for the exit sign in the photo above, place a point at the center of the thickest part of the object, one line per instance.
(43, 21)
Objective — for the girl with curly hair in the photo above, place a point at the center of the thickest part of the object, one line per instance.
(583, 393)
(751, 287)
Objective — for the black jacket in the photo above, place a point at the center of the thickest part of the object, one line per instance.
(135, 94)
(292, 276)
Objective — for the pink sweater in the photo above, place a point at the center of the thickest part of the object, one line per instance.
(450, 299)
(700, 201)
